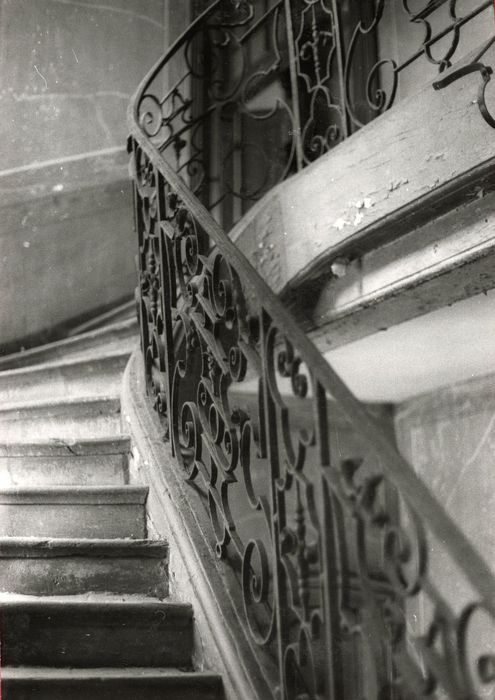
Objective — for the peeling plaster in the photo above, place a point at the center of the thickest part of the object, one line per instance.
(397, 184)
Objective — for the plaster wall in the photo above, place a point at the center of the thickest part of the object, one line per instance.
(448, 435)
(67, 71)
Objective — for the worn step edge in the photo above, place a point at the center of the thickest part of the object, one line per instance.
(77, 495)
(55, 447)
(52, 548)
(113, 605)
(72, 363)
(60, 347)
(108, 403)
(13, 675)
(121, 312)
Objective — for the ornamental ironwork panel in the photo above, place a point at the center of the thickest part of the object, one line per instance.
(255, 90)
(354, 582)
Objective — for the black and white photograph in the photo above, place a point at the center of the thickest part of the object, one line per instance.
(247, 350)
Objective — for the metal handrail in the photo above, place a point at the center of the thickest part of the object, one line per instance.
(193, 277)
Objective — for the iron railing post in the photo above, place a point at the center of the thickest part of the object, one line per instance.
(294, 83)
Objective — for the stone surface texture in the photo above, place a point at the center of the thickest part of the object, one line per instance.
(449, 437)
(67, 72)
(84, 592)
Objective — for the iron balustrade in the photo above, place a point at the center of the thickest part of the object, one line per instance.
(331, 547)
(255, 90)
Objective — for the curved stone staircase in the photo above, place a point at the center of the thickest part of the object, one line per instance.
(84, 600)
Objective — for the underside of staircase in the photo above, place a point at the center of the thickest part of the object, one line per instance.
(84, 601)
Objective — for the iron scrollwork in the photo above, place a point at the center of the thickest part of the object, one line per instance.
(258, 89)
(474, 66)
(332, 550)
(331, 547)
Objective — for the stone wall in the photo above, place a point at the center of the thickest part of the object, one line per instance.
(67, 71)
(449, 437)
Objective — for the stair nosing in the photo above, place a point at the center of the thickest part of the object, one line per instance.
(74, 495)
(8, 407)
(57, 547)
(56, 447)
(42, 673)
(112, 604)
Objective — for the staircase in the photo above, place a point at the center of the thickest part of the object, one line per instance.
(84, 602)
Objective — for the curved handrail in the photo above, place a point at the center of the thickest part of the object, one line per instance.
(193, 277)
(398, 469)
(330, 87)
(143, 86)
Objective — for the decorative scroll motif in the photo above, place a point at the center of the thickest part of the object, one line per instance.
(333, 545)
(486, 73)
(354, 583)
(257, 89)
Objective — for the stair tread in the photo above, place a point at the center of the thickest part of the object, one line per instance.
(158, 682)
(115, 444)
(37, 547)
(33, 355)
(96, 603)
(73, 494)
(125, 311)
(55, 673)
(64, 363)
(107, 401)
(27, 602)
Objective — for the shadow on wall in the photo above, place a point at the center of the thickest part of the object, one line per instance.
(68, 70)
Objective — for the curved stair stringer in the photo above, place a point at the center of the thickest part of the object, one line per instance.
(175, 511)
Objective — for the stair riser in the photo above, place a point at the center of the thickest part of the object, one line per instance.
(88, 639)
(26, 425)
(102, 470)
(76, 575)
(96, 379)
(111, 690)
(73, 520)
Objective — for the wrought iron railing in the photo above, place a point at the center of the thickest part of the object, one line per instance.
(257, 89)
(332, 546)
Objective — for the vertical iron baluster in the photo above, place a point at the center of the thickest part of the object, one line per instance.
(293, 84)
(168, 292)
(340, 50)
(277, 505)
(331, 535)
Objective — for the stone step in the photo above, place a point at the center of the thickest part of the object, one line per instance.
(118, 313)
(74, 418)
(27, 683)
(116, 336)
(62, 511)
(83, 634)
(101, 461)
(93, 376)
(49, 567)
